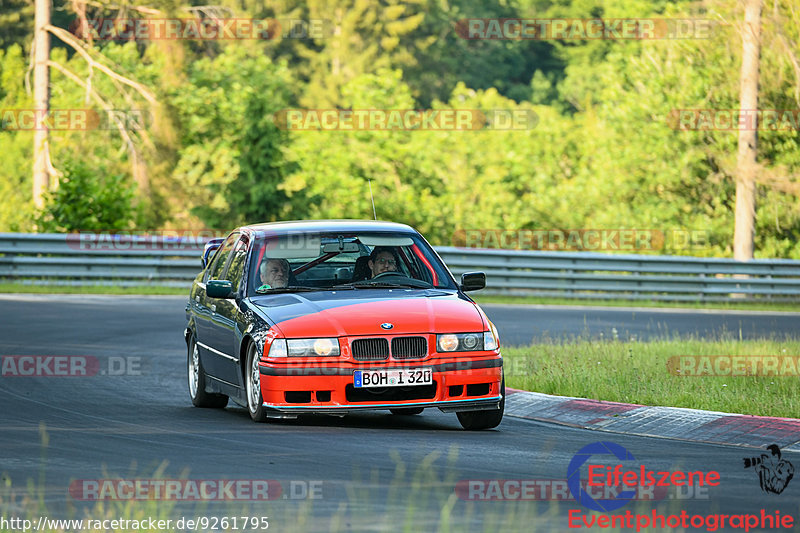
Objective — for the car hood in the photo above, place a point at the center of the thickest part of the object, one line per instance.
(361, 312)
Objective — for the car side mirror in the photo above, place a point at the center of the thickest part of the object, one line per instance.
(219, 288)
(473, 281)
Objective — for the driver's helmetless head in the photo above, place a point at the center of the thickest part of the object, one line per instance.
(382, 260)
(275, 273)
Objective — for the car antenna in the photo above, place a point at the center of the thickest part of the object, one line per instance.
(374, 215)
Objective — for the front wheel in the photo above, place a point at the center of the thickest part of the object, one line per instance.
(253, 378)
(197, 381)
(475, 420)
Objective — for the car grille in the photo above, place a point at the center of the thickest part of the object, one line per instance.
(370, 349)
(409, 347)
(377, 349)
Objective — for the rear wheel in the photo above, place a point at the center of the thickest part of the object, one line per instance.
(475, 420)
(253, 379)
(197, 381)
(407, 411)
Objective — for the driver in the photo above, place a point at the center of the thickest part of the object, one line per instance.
(382, 260)
(274, 273)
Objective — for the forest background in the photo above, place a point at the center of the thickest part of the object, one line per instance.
(603, 152)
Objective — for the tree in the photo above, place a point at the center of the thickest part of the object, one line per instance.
(366, 37)
(230, 164)
(257, 191)
(89, 200)
(41, 101)
(42, 166)
(746, 168)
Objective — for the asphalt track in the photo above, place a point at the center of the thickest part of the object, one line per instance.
(365, 472)
(521, 325)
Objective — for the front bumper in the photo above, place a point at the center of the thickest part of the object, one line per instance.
(446, 406)
(458, 385)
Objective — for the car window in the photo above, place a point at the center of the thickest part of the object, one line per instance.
(215, 270)
(236, 268)
(323, 261)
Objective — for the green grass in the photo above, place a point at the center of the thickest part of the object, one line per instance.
(420, 496)
(636, 372)
(26, 288)
(733, 305)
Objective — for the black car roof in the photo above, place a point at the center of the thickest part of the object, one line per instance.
(315, 226)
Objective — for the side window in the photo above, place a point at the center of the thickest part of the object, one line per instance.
(236, 267)
(221, 257)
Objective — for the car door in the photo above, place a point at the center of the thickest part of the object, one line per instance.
(212, 359)
(224, 336)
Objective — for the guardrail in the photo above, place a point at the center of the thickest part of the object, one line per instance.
(59, 259)
(647, 277)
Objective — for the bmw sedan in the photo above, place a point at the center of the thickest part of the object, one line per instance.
(335, 317)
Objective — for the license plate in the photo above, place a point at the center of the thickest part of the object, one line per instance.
(392, 378)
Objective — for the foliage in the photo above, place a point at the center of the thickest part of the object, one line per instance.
(16, 203)
(603, 153)
(230, 161)
(16, 22)
(89, 200)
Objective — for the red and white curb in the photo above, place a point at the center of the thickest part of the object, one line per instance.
(664, 422)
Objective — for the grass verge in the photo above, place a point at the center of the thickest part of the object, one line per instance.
(420, 495)
(637, 372)
(26, 288)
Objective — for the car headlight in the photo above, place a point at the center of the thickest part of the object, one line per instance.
(313, 347)
(461, 342)
(490, 340)
(277, 348)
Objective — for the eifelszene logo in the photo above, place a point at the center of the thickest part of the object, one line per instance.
(611, 467)
(619, 482)
(774, 473)
(574, 476)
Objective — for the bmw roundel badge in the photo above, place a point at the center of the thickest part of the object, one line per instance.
(387, 325)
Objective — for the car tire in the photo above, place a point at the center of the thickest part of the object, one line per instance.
(406, 411)
(476, 420)
(253, 386)
(197, 381)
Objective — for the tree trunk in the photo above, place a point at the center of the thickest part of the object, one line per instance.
(41, 101)
(746, 169)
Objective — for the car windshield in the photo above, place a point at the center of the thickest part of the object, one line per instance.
(362, 260)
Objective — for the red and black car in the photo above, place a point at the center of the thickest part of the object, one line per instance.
(337, 316)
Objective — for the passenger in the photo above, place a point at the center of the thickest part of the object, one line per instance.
(382, 259)
(274, 273)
